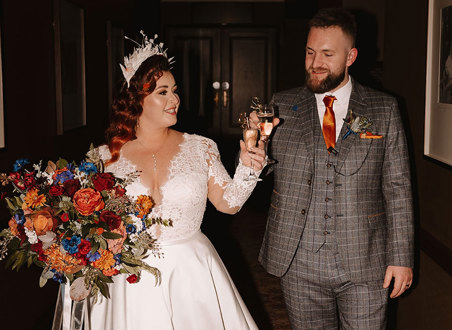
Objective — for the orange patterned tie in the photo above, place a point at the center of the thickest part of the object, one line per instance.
(329, 123)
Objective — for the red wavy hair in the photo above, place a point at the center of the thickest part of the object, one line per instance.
(127, 105)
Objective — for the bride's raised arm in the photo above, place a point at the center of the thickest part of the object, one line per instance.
(226, 194)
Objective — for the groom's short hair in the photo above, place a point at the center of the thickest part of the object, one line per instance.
(330, 17)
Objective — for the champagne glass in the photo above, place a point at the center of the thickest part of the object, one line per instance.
(250, 136)
(265, 113)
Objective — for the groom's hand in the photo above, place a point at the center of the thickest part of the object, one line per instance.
(403, 278)
(254, 121)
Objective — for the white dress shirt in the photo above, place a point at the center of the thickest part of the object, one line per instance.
(340, 105)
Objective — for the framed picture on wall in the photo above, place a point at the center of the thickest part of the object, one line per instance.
(2, 121)
(438, 92)
(69, 66)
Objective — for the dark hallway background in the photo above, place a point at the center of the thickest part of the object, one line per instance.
(392, 57)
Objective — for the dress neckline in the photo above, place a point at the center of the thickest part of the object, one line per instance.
(129, 164)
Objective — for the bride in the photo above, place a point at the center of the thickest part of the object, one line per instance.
(180, 171)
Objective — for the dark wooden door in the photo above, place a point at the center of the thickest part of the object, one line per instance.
(218, 70)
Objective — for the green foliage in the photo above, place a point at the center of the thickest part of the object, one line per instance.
(13, 208)
(111, 235)
(61, 163)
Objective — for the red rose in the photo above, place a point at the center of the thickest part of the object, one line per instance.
(84, 247)
(29, 180)
(64, 217)
(14, 175)
(119, 191)
(103, 181)
(81, 259)
(132, 279)
(111, 219)
(19, 184)
(56, 190)
(37, 247)
(71, 186)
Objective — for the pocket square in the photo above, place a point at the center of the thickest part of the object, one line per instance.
(368, 135)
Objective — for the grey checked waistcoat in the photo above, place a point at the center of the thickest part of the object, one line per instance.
(319, 231)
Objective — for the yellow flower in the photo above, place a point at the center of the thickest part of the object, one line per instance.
(144, 205)
(106, 260)
(33, 200)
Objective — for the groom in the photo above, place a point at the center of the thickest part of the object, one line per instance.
(340, 223)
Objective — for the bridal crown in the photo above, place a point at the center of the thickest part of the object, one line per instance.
(148, 48)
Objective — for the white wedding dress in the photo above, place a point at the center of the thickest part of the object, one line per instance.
(196, 291)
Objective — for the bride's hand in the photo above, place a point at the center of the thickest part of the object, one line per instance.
(253, 158)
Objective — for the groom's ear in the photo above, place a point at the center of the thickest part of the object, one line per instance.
(351, 56)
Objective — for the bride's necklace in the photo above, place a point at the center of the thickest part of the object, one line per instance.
(153, 153)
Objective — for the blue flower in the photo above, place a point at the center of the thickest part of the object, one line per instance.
(93, 256)
(130, 229)
(20, 163)
(19, 217)
(64, 176)
(87, 167)
(117, 257)
(71, 245)
(58, 277)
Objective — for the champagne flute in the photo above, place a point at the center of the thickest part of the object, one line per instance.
(265, 113)
(250, 136)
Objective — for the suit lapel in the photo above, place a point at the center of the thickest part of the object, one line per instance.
(359, 106)
(306, 105)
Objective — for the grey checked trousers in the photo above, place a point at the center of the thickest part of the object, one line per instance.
(319, 295)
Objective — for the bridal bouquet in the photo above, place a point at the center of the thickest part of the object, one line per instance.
(77, 223)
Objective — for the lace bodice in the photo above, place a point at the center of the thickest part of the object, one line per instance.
(185, 192)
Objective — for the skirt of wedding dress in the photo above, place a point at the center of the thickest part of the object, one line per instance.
(196, 292)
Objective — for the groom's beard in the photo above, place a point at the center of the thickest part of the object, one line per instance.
(329, 83)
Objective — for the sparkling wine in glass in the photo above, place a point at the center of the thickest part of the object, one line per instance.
(266, 122)
(265, 114)
(250, 137)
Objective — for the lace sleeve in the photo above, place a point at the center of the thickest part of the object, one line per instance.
(235, 191)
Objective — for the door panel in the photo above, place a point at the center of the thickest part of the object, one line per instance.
(249, 70)
(197, 56)
(241, 57)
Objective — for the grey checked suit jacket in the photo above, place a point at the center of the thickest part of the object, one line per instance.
(372, 190)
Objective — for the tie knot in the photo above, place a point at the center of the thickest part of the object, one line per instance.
(328, 100)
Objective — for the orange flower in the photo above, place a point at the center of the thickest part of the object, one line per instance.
(99, 231)
(33, 200)
(144, 205)
(110, 272)
(60, 261)
(42, 221)
(115, 245)
(88, 200)
(106, 260)
(13, 227)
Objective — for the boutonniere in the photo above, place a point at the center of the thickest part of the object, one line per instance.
(357, 124)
